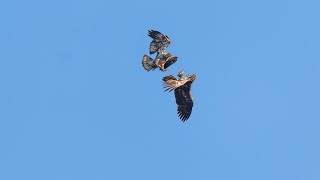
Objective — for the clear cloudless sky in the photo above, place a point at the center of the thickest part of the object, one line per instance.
(76, 104)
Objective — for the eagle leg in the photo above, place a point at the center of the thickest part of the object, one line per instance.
(162, 68)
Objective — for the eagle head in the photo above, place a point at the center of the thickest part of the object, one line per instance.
(180, 74)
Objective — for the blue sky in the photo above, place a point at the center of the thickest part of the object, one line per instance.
(77, 104)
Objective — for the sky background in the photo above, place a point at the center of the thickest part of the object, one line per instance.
(76, 104)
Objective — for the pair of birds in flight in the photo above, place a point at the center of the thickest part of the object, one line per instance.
(180, 86)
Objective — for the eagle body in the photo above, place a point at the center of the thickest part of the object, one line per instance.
(182, 93)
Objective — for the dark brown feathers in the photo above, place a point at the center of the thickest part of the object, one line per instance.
(182, 92)
(159, 42)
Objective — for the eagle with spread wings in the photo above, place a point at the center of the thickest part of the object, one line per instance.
(182, 92)
(159, 42)
(162, 61)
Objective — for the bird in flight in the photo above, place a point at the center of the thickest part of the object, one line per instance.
(182, 92)
(159, 42)
(162, 61)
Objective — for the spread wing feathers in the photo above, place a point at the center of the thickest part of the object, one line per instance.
(184, 101)
(159, 42)
(148, 63)
(170, 84)
(156, 35)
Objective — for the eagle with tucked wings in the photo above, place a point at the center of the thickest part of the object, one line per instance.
(162, 61)
(159, 42)
(182, 92)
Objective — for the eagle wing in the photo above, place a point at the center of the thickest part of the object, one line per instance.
(171, 60)
(148, 63)
(159, 41)
(170, 84)
(165, 60)
(184, 101)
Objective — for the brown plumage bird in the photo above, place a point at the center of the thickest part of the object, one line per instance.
(159, 42)
(162, 61)
(182, 92)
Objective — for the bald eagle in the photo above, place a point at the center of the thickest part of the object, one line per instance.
(162, 61)
(182, 92)
(159, 42)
